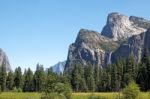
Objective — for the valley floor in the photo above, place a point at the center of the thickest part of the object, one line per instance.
(13, 95)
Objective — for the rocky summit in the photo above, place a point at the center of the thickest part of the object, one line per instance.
(120, 27)
(4, 60)
(120, 37)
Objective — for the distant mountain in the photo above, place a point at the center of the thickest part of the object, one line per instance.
(4, 60)
(120, 37)
(59, 67)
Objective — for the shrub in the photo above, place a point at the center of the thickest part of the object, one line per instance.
(16, 90)
(52, 96)
(60, 91)
(131, 91)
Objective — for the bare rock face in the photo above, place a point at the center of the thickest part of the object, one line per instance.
(133, 46)
(120, 27)
(147, 40)
(121, 37)
(90, 47)
(4, 60)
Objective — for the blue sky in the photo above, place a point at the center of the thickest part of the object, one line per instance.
(33, 31)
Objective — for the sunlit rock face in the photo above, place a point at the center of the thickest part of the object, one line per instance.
(120, 27)
(121, 37)
(4, 60)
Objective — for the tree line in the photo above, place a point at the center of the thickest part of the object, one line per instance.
(81, 79)
(28, 81)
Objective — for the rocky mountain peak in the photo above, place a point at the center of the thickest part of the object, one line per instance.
(120, 27)
(4, 59)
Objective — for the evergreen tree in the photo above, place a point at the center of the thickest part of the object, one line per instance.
(97, 76)
(114, 78)
(28, 81)
(3, 76)
(10, 80)
(131, 68)
(39, 79)
(51, 80)
(143, 78)
(89, 76)
(119, 66)
(105, 83)
(75, 78)
(18, 78)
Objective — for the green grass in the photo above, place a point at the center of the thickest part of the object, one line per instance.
(13, 95)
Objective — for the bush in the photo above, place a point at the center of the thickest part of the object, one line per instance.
(52, 96)
(17, 89)
(60, 91)
(63, 89)
(131, 91)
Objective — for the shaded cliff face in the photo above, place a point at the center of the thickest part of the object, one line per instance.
(120, 37)
(133, 46)
(4, 60)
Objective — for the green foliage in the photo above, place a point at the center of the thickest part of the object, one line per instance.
(39, 79)
(60, 91)
(53, 96)
(63, 89)
(18, 82)
(143, 77)
(10, 80)
(131, 91)
(78, 79)
(17, 90)
(28, 81)
(89, 77)
(3, 76)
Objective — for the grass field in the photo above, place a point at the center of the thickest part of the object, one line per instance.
(12, 95)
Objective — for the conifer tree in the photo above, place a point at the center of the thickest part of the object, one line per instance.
(28, 81)
(39, 78)
(18, 78)
(3, 76)
(10, 80)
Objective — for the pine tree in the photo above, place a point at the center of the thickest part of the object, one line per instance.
(10, 80)
(119, 65)
(28, 81)
(75, 78)
(114, 78)
(18, 78)
(3, 76)
(51, 80)
(97, 76)
(131, 68)
(39, 78)
(89, 76)
(143, 78)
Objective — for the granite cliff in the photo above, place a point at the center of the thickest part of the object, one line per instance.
(120, 37)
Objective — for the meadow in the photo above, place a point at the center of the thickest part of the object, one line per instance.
(14, 95)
